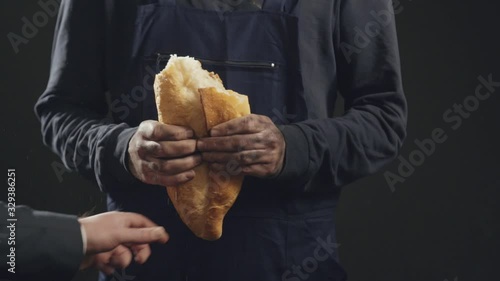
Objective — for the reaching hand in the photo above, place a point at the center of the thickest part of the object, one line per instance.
(114, 237)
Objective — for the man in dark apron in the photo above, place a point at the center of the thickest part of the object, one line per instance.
(290, 57)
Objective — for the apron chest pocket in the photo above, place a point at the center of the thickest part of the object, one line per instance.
(262, 81)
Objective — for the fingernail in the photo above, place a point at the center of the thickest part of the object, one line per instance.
(159, 233)
(138, 259)
(199, 144)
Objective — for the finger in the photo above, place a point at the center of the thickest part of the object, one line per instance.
(141, 253)
(176, 149)
(158, 178)
(154, 130)
(106, 269)
(120, 257)
(169, 149)
(143, 235)
(101, 262)
(244, 158)
(244, 125)
(88, 261)
(175, 166)
(137, 220)
(232, 143)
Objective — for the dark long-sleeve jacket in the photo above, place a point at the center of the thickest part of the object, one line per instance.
(100, 89)
(39, 245)
(345, 46)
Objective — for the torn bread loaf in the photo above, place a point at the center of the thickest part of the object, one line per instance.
(187, 95)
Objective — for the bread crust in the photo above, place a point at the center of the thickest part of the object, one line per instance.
(187, 95)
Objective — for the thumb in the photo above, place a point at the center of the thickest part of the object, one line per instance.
(144, 235)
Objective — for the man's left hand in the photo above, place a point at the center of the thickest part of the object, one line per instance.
(253, 142)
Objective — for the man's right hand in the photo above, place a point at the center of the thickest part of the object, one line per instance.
(162, 154)
(112, 237)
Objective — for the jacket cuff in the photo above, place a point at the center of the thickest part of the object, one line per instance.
(120, 171)
(61, 239)
(296, 162)
(112, 171)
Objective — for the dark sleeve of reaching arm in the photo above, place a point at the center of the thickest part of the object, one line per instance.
(48, 246)
(73, 107)
(372, 130)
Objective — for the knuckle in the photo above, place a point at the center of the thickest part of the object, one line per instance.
(180, 178)
(144, 166)
(273, 139)
(157, 149)
(193, 161)
(178, 135)
(135, 144)
(139, 150)
(154, 166)
(212, 145)
(231, 127)
(265, 119)
(166, 166)
(146, 128)
(235, 144)
(242, 158)
(245, 122)
(268, 171)
(255, 156)
(156, 131)
(207, 145)
(259, 138)
(142, 126)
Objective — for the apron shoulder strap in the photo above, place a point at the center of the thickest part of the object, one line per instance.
(274, 5)
(162, 2)
(282, 6)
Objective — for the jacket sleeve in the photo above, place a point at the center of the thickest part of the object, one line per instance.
(47, 246)
(370, 133)
(73, 108)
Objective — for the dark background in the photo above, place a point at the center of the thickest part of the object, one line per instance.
(441, 223)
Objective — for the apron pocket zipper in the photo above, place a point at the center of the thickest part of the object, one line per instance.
(231, 63)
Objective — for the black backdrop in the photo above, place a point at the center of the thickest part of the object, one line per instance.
(441, 223)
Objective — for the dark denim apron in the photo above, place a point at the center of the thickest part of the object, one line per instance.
(275, 231)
